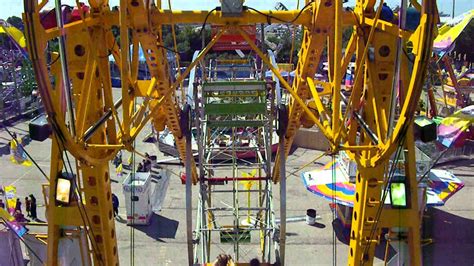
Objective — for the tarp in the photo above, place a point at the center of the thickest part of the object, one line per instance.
(449, 32)
(454, 129)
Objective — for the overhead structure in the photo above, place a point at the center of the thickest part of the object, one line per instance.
(233, 131)
(370, 123)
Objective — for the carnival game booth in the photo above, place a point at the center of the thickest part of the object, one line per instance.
(138, 203)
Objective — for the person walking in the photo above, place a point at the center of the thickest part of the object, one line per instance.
(145, 165)
(33, 207)
(28, 206)
(119, 170)
(18, 205)
(115, 204)
(118, 159)
(140, 168)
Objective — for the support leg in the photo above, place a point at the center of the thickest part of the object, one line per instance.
(91, 212)
(281, 160)
(282, 201)
(367, 202)
(405, 222)
(189, 210)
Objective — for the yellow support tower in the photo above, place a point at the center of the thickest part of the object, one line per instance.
(86, 123)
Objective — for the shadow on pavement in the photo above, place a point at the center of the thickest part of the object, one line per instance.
(452, 235)
(119, 219)
(319, 225)
(453, 239)
(159, 227)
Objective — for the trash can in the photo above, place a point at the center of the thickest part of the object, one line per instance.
(310, 216)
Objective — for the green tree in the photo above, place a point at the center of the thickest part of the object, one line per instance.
(284, 42)
(188, 39)
(28, 77)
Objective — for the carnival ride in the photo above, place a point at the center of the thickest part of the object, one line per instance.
(370, 123)
(456, 86)
(17, 84)
(436, 186)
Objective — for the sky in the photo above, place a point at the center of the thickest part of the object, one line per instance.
(15, 7)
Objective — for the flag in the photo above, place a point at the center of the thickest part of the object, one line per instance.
(18, 153)
(14, 225)
(10, 194)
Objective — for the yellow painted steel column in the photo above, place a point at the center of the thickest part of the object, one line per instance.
(413, 214)
(314, 38)
(53, 227)
(367, 226)
(124, 71)
(94, 216)
(98, 199)
(150, 38)
(367, 201)
(336, 93)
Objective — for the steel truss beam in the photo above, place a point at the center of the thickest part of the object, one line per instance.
(90, 40)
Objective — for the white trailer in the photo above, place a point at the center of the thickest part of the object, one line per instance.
(138, 202)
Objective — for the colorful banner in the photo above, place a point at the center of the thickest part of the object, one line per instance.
(10, 195)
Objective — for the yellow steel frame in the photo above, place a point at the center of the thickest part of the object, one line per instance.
(90, 41)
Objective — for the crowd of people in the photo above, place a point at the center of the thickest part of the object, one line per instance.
(226, 260)
(30, 207)
(145, 165)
